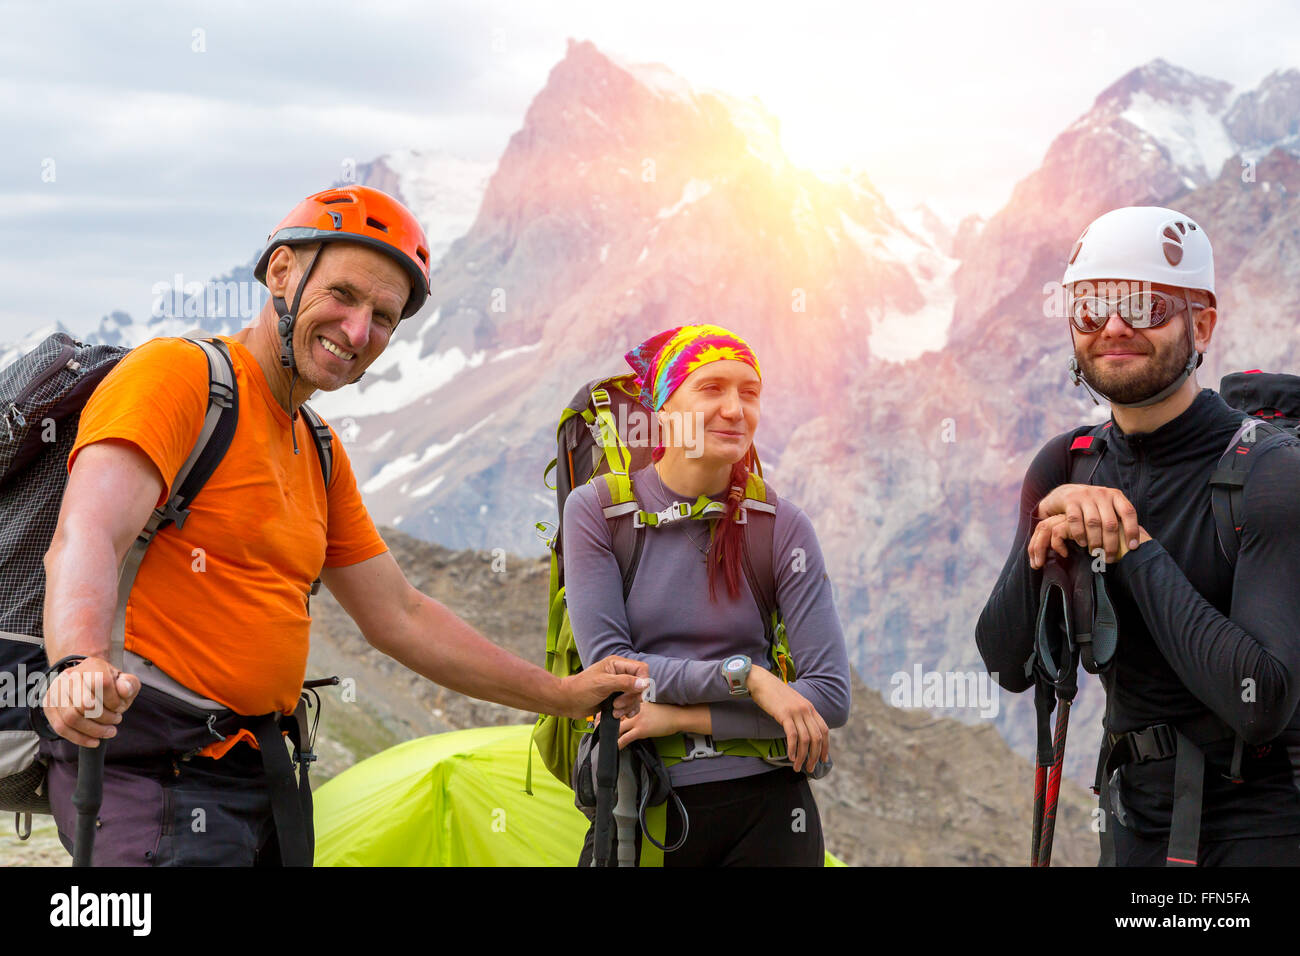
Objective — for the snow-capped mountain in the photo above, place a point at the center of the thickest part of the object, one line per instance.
(443, 190)
(1180, 113)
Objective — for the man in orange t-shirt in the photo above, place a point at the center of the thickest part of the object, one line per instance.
(220, 604)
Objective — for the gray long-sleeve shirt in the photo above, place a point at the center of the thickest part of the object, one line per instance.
(669, 621)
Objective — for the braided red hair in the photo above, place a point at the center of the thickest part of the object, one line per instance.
(728, 544)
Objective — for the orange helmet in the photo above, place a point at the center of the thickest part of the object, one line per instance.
(357, 214)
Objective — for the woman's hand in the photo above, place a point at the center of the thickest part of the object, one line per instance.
(807, 738)
(652, 720)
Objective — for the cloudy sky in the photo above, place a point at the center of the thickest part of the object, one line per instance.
(145, 140)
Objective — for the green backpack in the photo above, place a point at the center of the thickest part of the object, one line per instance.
(591, 449)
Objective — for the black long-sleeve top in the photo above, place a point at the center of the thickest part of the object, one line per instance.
(1193, 635)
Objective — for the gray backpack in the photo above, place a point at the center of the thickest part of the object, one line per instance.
(41, 398)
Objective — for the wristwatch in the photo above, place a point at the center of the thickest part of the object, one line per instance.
(735, 670)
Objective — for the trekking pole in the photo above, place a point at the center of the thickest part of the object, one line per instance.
(1053, 665)
(87, 798)
(1044, 702)
(606, 783)
(1054, 782)
(1066, 684)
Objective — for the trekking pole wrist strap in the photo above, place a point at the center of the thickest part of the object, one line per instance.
(63, 663)
(36, 715)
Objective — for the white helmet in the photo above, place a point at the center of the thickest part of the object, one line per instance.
(1146, 244)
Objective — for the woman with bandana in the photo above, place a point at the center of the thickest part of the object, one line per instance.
(691, 615)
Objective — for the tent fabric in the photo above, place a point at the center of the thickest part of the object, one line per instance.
(454, 799)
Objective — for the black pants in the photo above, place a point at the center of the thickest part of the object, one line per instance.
(769, 819)
(197, 812)
(1133, 850)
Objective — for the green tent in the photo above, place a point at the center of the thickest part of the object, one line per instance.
(452, 799)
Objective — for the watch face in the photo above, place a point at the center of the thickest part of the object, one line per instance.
(735, 664)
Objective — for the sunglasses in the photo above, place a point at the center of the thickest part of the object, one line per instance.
(1141, 310)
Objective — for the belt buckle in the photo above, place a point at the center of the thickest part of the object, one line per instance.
(1159, 745)
(698, 746)
(675, 511)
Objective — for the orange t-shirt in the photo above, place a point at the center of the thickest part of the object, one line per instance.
(229, 621)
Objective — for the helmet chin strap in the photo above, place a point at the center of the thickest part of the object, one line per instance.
(288, 318)
(1194, 360)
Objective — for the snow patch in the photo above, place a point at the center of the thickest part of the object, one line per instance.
(416, 377)
(1193, 134)
(510, 353)
(430, 322)
(693, 191)
(901, 336)
(443, 191)
(427, 489)
(406, 464)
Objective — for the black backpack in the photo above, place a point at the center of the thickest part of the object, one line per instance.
(1271, 401)
(42, 395)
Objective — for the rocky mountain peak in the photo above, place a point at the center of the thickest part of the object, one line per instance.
(1268, 115)
(1165, 82)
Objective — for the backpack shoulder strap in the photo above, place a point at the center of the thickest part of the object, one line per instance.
(619, 503)
(1086, 451)
(322, 438)
(324, 442)
(758, 513)
(1228, 481)
(214, 439)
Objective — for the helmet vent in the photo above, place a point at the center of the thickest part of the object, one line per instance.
(1078, 245)
(423, 253)
(1182, 227)
(1173, 252)
(334, 199)
(374, 223)
(1170, 234)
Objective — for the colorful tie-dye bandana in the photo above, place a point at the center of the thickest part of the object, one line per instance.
(662, 362)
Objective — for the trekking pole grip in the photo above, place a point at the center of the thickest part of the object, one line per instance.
(87, 798)
(606, 783)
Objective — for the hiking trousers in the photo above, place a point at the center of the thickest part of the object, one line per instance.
(169, 812)
(1133, 850)
(769, 819)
